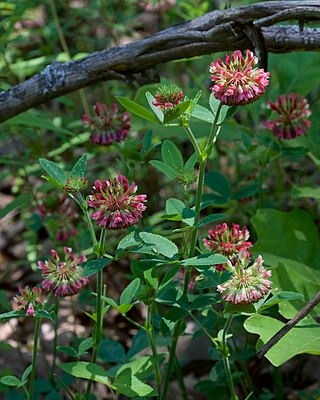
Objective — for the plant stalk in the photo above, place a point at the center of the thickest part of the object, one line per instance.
(150, 334)
(226, 361)
(34, 356)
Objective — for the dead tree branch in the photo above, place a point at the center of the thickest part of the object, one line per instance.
(237, 28)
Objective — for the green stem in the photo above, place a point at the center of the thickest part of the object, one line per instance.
(150, 334)
(180, 379)
(64, 386)
(202, 168)
(214, 131)
(171, 361)
(83, 205)
(193, 140)
(34, 357)
(99, 313)
(55, 341)
(226, 361)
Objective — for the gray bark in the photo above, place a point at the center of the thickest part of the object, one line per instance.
(236, 28)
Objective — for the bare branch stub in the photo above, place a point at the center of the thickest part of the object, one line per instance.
(237, 28)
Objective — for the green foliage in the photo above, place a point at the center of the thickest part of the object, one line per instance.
(302, 339)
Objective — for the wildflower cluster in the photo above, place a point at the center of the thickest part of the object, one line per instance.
(228, 242)
(293, 113)
(248, 282)
(236, 81)
(116, 204)
(108, 126)
(168, 96)
(75, 184)
(33, 299)
(63, 278)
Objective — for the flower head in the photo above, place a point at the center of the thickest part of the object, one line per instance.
(247, 284)
(228, 242)
(75, 183)
(108, 126)
(63, 278)
(116, 205)
(293, 116)
(32, 298)
(61, 210)
(167, 96)
(236, 81)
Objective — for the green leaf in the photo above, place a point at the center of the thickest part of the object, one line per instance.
(203, 114)
(171, 155)
(278, 298)
(26, 374)
(204, 259)
(218, 184)
(84, 346)
(299, 340)
(124, 308)
(174, 206)
(53, 170)
(289, 243)
(86, 370)
(10, 380)
(20, 201)
(176, 313)
(168, 276)
(79, 169)
(158, 113)
(176, 111)
(129, 241)
(110, 301)
(91, 267)
(191, 162)
(111, 351)
(140, 342)
(287, 236)
(12, 314)
(68, 350)
(306, 191)
(137, 109)
(188, 216)
(211, 218)
(52, 181)
(151, 277)
(129, 385)
(164, 168)
(160, 244)
(203, 301)
(129, 292)
(45, 314)
(246, 191)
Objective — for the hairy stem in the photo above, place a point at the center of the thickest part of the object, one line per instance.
(152, 342)
(34, 356)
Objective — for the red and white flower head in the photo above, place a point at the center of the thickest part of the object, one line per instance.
(108, 126)
(228, 242)
(247, 284)
(236, 81)
(63, 278)
(33, 299)
(293, 115)
(116, 205)
(168, 96)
